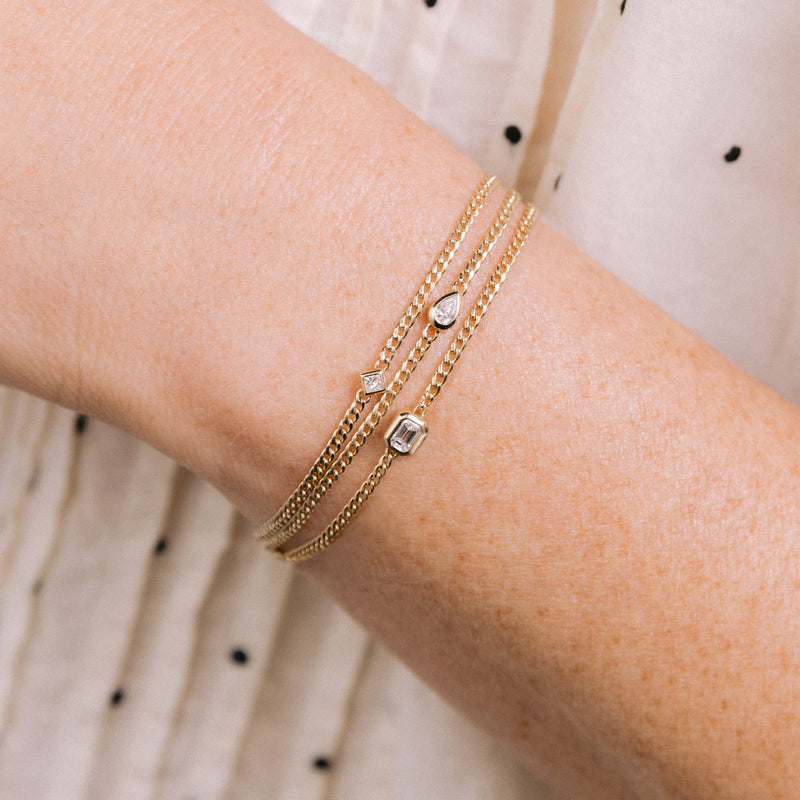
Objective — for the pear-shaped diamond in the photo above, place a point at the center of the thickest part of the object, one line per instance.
(444, 311)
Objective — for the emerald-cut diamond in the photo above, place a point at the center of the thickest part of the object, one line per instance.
(444, 311)
(373, 382)
(406, 433)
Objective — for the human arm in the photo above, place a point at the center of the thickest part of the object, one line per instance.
(210, 224)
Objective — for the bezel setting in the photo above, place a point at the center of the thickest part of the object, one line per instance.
(406, 433)
(444, 312)
(374, 382)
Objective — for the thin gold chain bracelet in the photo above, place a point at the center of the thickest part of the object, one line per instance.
(373, 382)
(442, 315)
(409, 428)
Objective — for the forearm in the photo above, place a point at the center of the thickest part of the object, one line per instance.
(210, 227)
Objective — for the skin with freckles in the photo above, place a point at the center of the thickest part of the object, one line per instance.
(208, 227)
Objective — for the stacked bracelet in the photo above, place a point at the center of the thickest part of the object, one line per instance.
(442, 316)
(408, 429)
(373, 382)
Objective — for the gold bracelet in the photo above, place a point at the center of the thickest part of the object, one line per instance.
(409, 428)
(442, 315)
(373, 382)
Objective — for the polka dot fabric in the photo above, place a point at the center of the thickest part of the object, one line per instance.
(148, 651)
(683, 177)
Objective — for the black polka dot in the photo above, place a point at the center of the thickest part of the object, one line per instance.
(160, 546)
(38, 585)
(117, 697)
(322, 763)
(733, 153)
(556, 182)
(430, 3)
(622, 6)
(239, 656)
(81, 421)
(513, 134)
(33, 480)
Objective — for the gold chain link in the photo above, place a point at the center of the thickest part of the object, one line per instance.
(361, 400)
(279, 534)
(490, 289)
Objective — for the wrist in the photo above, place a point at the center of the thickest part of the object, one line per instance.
(224, 237)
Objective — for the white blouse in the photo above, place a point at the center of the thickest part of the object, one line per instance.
(146, 654)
